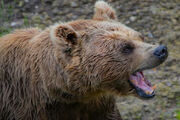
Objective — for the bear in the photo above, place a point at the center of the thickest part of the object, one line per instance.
(75, 70)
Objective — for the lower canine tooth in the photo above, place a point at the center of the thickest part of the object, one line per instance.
(154, 87)
(147, 92)
(154, 69)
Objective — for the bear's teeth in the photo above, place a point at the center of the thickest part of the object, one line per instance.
(154, 69)
(149, 93)
(154, 87)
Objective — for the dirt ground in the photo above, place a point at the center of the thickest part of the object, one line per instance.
(158, 20)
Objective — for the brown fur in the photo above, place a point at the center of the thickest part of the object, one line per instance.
(69, 71)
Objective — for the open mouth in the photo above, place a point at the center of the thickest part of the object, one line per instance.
(142, 86)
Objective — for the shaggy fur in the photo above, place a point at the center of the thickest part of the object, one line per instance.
(69, 71)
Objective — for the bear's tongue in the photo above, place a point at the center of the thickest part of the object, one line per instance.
(140, 83)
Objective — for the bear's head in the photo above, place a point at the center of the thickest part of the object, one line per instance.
(102, 56)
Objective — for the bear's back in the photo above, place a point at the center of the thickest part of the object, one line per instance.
(17, 38)
(14, 48)
(13, 52)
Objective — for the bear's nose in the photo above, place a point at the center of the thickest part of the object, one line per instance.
(161, 52)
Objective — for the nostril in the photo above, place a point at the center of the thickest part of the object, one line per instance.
(164, 50)
(161, 52)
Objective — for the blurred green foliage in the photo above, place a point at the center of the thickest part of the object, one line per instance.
(178, 114)
(4, 14)
(178, 110)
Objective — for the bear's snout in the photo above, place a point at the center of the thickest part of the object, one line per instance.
(161, 52)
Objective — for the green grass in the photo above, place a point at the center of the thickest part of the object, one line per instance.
(4, 17)
(26, 21)
(178, 114)
(7, 16)
(1, 10)
(4, 31)
(178, 110)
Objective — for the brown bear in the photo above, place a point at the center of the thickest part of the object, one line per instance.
(74, 70)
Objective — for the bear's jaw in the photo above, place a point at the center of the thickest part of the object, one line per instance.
(143, 87)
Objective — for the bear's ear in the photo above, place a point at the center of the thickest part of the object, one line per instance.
(103, 11)
(64, 34)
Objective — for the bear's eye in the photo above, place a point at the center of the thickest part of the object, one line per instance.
(127, 48)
